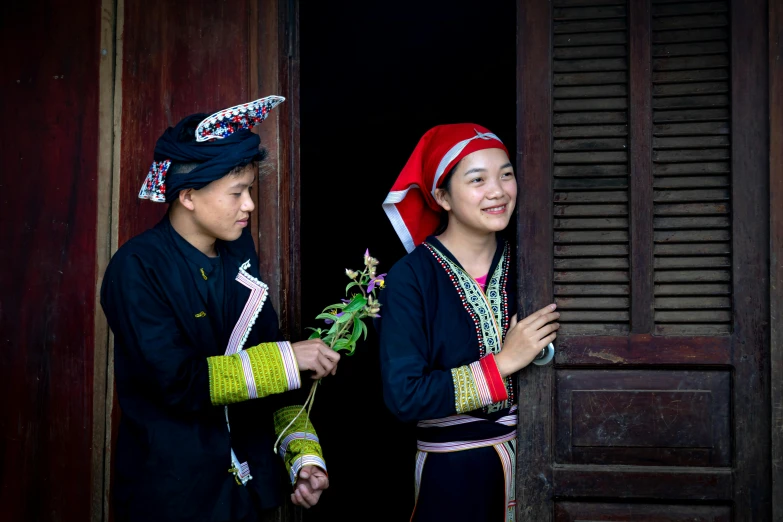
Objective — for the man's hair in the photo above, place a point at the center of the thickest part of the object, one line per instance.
(179, 169)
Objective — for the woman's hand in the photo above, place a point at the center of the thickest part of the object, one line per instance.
(525, 339)
(314, 355)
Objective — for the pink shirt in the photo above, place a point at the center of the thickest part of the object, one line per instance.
(482, 281)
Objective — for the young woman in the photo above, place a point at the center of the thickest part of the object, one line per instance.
(450, 340)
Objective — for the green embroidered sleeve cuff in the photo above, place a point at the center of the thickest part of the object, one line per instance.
(477, 385)
(253, 373)
(300, 446)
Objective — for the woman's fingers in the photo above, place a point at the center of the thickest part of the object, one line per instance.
(535, 315)
(513, 322)
(546, 340)
(546, 330)
(542, 320)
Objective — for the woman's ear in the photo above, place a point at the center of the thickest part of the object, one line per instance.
(186, 199)
(442, 197)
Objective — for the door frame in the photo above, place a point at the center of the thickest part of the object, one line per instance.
(776, 247)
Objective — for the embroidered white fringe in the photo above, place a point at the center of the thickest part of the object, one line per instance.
(239, 335)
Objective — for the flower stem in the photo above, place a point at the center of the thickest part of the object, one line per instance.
(308, 404)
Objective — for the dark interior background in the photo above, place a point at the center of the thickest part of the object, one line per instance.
(374, 78)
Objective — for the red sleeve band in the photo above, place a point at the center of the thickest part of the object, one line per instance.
(496, 384)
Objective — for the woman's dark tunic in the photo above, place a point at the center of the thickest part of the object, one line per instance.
(436, 322)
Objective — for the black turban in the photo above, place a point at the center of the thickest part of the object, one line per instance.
(215, 158)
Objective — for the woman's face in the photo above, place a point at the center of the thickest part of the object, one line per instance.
(482, 193)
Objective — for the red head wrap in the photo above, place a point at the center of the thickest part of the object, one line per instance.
(411, 204)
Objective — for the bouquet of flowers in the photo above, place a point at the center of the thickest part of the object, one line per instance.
(345, 320)
(347, 317)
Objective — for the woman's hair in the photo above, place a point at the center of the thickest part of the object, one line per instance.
(444, 216)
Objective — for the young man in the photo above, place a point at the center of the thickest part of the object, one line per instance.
(201, 367)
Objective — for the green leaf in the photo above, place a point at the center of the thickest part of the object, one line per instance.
(357, 330)
(331, 317)
(350, 285)
(315, 335)
(345, 317)
(364, 329)
(338, 306)
(341, 344)
(357, 303)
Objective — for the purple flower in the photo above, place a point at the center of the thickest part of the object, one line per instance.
(329, 321)
(377, 280)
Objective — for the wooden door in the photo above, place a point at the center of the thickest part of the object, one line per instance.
(644, 214)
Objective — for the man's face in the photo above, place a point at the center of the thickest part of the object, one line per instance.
(222, 208)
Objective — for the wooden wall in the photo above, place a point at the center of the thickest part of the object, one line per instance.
(48, 207)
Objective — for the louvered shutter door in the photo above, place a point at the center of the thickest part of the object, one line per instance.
(639, 216)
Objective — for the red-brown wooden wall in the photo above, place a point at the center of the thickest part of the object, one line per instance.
(48, 208)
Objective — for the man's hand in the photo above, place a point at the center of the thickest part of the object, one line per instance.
(309, 486)
(314, 355)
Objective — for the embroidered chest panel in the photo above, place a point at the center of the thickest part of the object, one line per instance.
(487, 309)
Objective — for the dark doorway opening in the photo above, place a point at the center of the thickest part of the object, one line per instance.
(374, 78)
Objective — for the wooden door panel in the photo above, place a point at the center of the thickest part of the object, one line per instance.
(583, 512)
(643, 417)
(640, 217)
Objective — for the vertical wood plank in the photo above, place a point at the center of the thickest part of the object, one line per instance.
(641, 193)
(776, 246)
(48, 209)
(265, 80)
(111, 409)
(750, 167)
(292, 265)
(106, 215)
(276, 229)
(534, 87)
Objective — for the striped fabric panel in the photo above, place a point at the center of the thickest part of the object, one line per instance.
(448, 447)
(421, 457)
(244, 470)
(444, 422)
(297, 435)
(290, 365)
(454, 420)
(482, 386)
(507, 454)
(247, 370)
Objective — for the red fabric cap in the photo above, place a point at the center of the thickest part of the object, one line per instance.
(411, 206)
